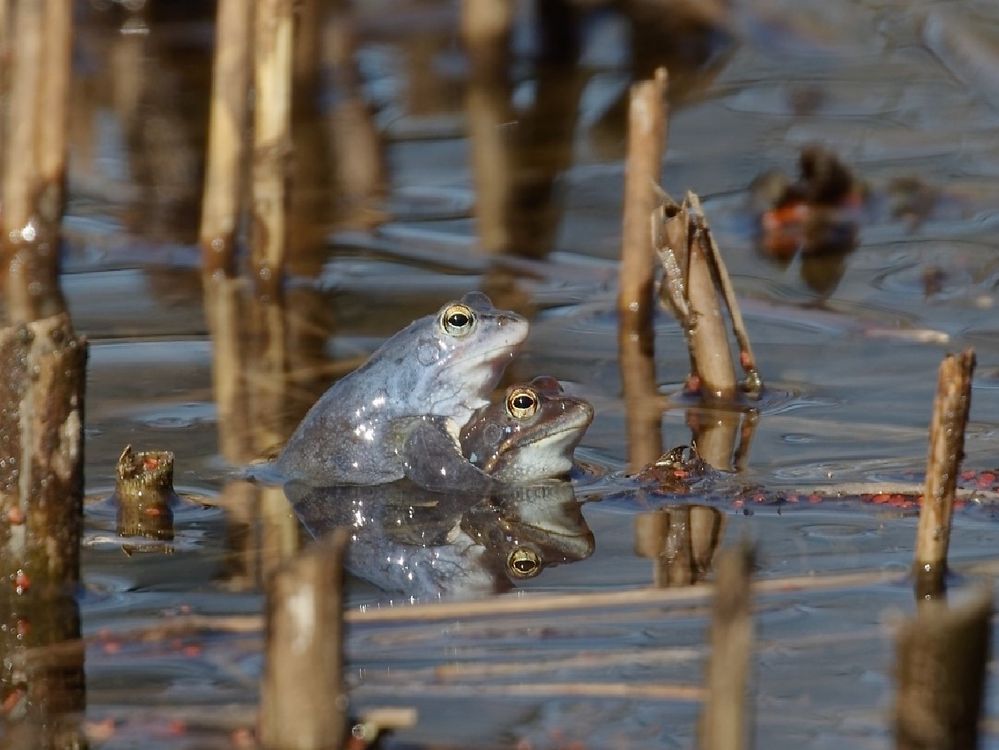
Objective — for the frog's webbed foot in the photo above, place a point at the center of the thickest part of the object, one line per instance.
(432, 459)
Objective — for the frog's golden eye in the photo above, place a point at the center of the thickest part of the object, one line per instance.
(522, 403)
(458, 319)
(523, 562)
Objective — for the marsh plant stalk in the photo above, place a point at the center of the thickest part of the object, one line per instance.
(303, 702)
(272, 78)
(946, 449)
(941, 666)
(647, 128)
(227, 134)
(724, 721)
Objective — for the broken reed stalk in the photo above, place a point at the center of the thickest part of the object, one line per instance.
(144, 494)
(647, 126)
(54, 104)
(41, 519)
(303, 702)
(941, 668)
(693, 274)
(272, 80)
(943, 462)
(227, 135)
(723, 723)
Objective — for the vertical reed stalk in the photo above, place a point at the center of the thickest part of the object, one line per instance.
(724, 724)
(946, 449)
(942, 659)
(303, 702)
(53, 120)
(272, 77)
(636, 338)
(226, 136)
(647, 118)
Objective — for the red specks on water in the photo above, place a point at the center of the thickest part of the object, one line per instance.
(23, 627)
(746, 361)
(192, 651)
(815, 497)
(968, 475)
(149, 463)
(692, 384)
(176, 728)
(892, 499)
(15, 516)
(152, 510)
(986, 480)
(111, 647)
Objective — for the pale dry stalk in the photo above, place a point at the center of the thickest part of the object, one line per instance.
(227, 135)
(272, 77)
(303, 702)
(946, 449)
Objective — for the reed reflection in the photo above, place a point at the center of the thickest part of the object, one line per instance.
(681, 541)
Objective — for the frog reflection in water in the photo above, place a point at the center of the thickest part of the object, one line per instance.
(420, 387)
(432, 544)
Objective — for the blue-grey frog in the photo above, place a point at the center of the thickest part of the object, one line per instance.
(428, 378)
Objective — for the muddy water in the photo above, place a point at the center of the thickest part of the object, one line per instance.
(402, 204)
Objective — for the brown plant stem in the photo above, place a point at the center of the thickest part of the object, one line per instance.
(943, 462)
(723, 724)
(272, 79)
(227, 134)
(144, 494)
(942, 658)
(303, 702)
(647, 119)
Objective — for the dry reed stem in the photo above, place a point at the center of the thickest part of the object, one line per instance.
(647, 129)
(723, 724)
(942, 658)
(747, 359)
(227, 135)
(53, 120)
(946, 449)
(272, 79)
(625, 690)
(303, 703)
(708, 332)
(486, 26)
(20, 179)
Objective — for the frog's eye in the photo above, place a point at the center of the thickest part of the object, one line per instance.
(522, 403)
(458, 320)
(523, 562)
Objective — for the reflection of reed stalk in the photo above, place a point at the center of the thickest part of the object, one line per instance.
(950, 417)
(272, 78)
(226, 136)
(303, 702)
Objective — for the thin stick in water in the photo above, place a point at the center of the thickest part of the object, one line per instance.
(950, 417)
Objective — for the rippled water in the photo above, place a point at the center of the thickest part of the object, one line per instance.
(849, 351)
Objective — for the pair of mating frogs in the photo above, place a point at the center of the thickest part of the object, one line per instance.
(419, 409)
